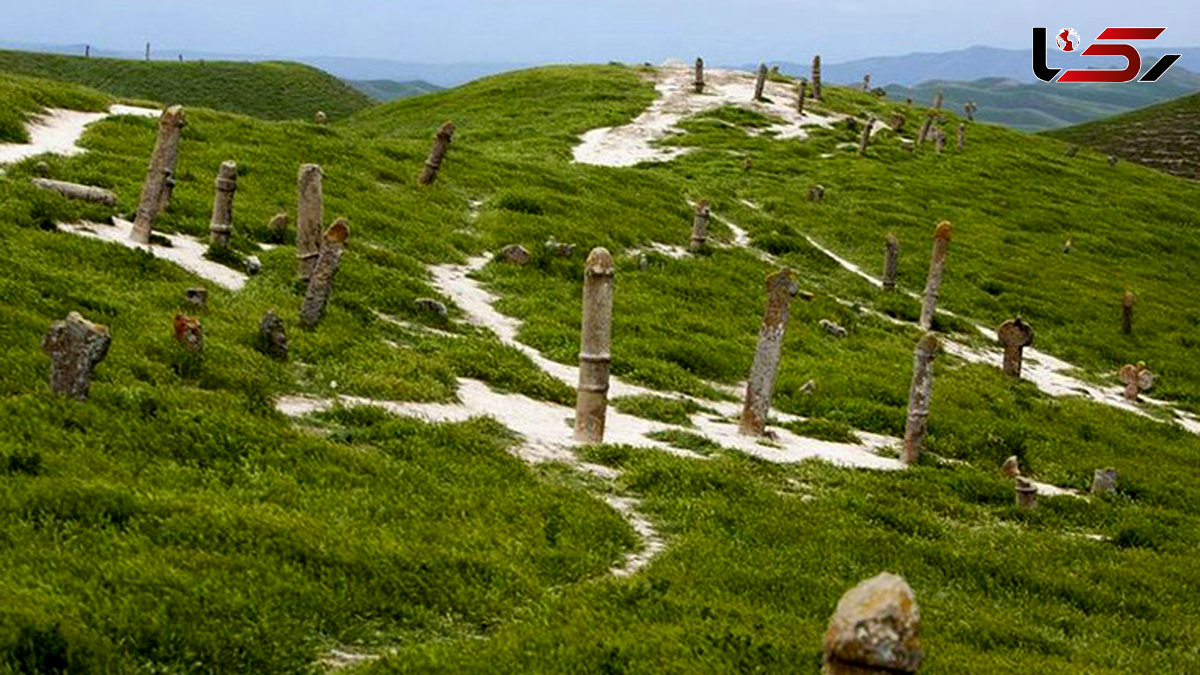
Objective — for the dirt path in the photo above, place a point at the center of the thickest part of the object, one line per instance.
(58, 131)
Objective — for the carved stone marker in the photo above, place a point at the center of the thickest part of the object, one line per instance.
(700, 226)
(698, 84)
(937, 101)
(1014, 335)
(1026, 494)
(891, 260)
(595, 347)
(816, 77)
(919, 396)
(933, 284)
(160, 175)
(969, 108)
(189, 333)
(321, 283)
(1104, 481)
(310, 213)
(816, 193)
(1011, 467)
(867, 82)
(760, 81)
(221, 227)
(197, 296)
(441, 143)
(1127, 303)
(272, 336)
(939, 140)
(87, 193)
(781, 288)
(897, 122)
(962, 135)
(277, 227)
(876, 628)
(320, 118)
(865, 139)
(75, 347)
(1136, 380)
(924, 132)
(802, 95)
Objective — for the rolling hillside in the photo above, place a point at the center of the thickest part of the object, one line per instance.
(273, 91)
(1038, 106)
(390, 90)
(225, 511)
(1164, 136)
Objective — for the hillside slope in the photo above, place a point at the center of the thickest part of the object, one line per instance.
(179, 520)
(1162, 136)
(273, 91)
(390, 90)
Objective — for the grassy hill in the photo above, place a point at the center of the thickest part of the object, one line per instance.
(176, 521)
(390, 90)
(274, 91)
(1161, 136)
(1038, 106)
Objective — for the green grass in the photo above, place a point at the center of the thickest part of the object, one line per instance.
(269, 90)
(175, 522)
(1160, 136)
(22, 97)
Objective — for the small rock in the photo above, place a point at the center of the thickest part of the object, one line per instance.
(808, 387)
(515, 254)
(1112, 160)
(643, 262)
(816, 193)
(42, 169)
(875, 628)
(189, 333)
(1026, 494)
(1104, 481)
(320, 118)
(560, 249)
(1011, 467)
(253, 265)
(273, 336)
(1067, 245)
(432, 306)
(832, 328)
(197, 296)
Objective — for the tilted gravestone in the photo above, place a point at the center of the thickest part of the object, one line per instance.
(433, 164)
(891, 261)
(920, 394)
(781, 288)
(1014, 335)
(700, 226)
(320, 285)
(160, 175)
(310, 212)
(933, 283)
(75, 347)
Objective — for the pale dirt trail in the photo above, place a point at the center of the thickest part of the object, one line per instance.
(58, 131)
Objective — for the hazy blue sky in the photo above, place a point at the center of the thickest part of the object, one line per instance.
(446, 31)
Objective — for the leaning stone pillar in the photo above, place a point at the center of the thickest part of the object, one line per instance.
(698, 84)
(160, 176)
(700, 226)
(919, 396)
(760, 82)
(781, 288)
(310, 211)
(816, 77)
(440, 143)
(933, 284)
(321, 283)
(891, 260)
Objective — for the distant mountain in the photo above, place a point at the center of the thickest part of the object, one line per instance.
(1038, 106)
(962, 65)
(390, 90)
(346, 68)
(1162, 136)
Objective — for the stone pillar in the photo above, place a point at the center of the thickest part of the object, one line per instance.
(700, 226)
(1026, 494)
(147, 51)
(969, 107)
(924, 132)
(867, 82)
(277, 227)
(595, 347)
(1104, 481)
(1127, 303)
(876, 628)
(1136, 379)
(272, 336)
(87, 193)
(310, 212)
(75, 347)
(933, 284)
(937, 101)
(1011, 467)
(760, 82)
(816, 77)
(320, 118)
(939, 140)
(160, 176)
(816, 193)
(1014, 335)
(962, 135)
(221, 227)
(320, 285)
(699, 81)
(891, 259)
(865, 139)
(440, 143)
(781, 288)
(919, 396)
(800, 99)
(189, 333)
(897, 122)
